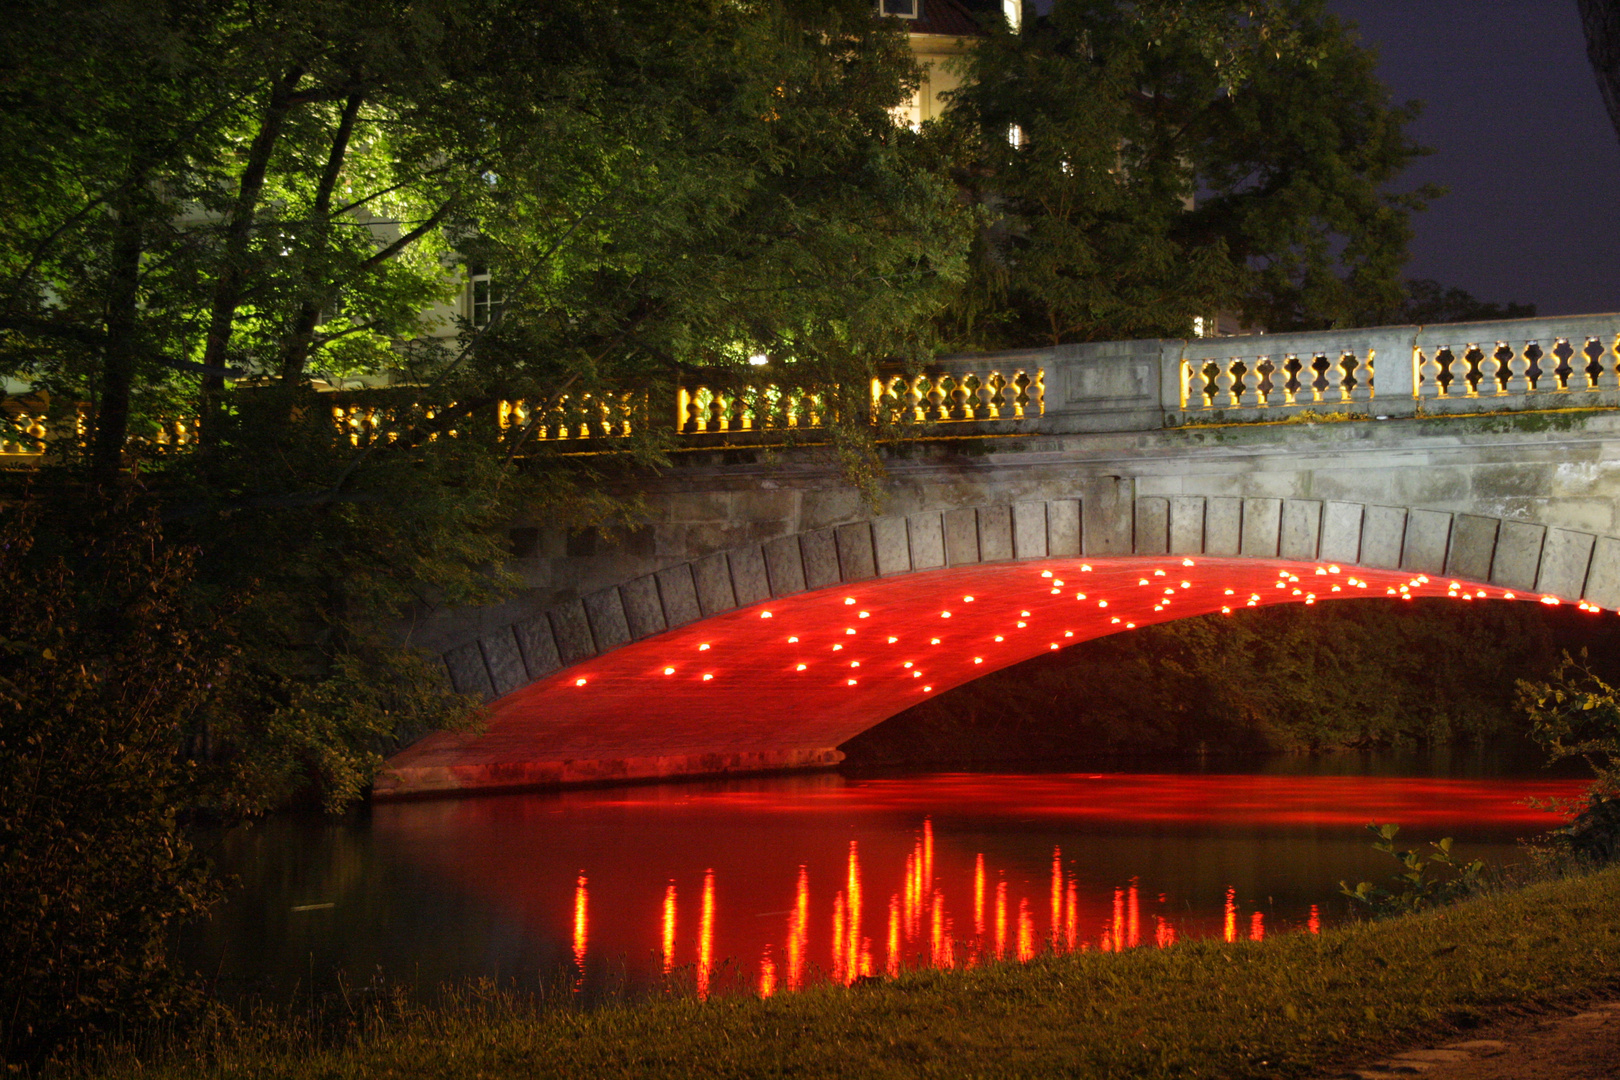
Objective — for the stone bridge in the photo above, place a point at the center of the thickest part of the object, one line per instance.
(764, 614)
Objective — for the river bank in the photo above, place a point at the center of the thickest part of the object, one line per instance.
(1291, 1005)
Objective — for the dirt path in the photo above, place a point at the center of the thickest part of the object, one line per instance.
(1569, 1046)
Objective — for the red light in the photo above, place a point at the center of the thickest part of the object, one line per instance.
(669, 671)
(707, 678)
(579, 682)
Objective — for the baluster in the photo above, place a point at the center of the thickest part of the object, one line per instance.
(1485, 367)
(1224, 379)
(1518, 382)
(1428, 375)
(1018, 394)
(1357, 378)
(1269, 379)
(1246, 383)
(1604, 356)
(989, 394)
(1194, 383)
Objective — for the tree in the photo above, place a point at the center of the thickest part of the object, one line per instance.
(216, 207)
(1429, 302)
(1147, 163)
(1601, 21)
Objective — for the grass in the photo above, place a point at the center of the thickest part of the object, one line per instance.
(1283, 1007)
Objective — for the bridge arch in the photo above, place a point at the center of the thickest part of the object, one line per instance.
(770, 655)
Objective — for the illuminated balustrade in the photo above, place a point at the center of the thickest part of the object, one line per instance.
(23, 436)
(1511, 365)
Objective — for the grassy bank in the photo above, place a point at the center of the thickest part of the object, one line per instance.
(1281, 1007)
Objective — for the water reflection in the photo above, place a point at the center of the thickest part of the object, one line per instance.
(812, 878)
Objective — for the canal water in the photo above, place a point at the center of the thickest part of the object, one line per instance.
(761, 885)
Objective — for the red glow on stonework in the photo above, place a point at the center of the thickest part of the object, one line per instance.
(814, 700)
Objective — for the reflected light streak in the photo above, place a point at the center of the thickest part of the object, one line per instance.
(1026, 931)
(840, 943)
(978, 896)
(669, 927)
(1001, 919)
(1230, 926)
(1257, 926)
(1071, 921)
(894, 935)
(767, 974)
(1057, 893)
(1133, 917)
(854, 949)
(706, 935)
(799, 931)
(1314, 926)
(581, 924)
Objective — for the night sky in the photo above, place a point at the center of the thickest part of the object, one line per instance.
(1521, 139)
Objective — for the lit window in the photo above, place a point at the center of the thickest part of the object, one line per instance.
(1014, 12)
(484, 295)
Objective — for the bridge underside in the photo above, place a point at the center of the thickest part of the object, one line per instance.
(782, 683)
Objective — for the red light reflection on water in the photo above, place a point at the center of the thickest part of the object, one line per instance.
(917, 877)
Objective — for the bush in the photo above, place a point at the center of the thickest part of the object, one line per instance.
(102, 670)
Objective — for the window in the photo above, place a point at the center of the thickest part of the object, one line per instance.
(484, 301)
(900, 9)
(1014, 12)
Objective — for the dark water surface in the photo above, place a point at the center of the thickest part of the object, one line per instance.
(772, 882)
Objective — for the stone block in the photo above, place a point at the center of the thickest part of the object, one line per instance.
(1223, 526)
(538, 646)
(1603, 578)
(890, 546)
(749, 581)
(609, 626)
(1518, 555)
(678, 595)
(995, 533)
(1262, 527)
(1106, 526)
(820, 550)
(1062, 528)
(1564, 560)
(1383, 532)
(1427, 534)
(1341, 533)
(1186, 525)
(712, 578)
(1029, 530)
(1301, 529)
(572, 632)
(467, 671)
(961, 537)
(503, 661)
(1152, 527)
(1473, 544)
(855, 556)
(643, 613)
(785, 565)
(926, 533)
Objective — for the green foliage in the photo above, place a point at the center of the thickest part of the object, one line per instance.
(1345, 673)
(1575, 713)
(289, 193)
(1418, 887)
(1171, 160)
(103, 665)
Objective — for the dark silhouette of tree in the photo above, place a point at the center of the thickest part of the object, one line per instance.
(1601, 20)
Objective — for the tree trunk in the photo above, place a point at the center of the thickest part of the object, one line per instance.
(296, 353)
(1601, 20)
(121, 349)
(238, 231)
